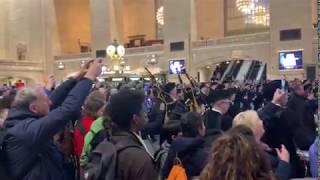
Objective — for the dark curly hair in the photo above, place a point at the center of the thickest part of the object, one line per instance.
(124, 105)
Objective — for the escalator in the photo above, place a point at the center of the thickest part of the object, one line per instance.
(244, 69)
(219, 71)
(250, 70)
(262, 74)
(255, 71)
(223, 67)
(236, 69)
(228, 70)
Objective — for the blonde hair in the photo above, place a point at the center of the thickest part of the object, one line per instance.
(248, 118)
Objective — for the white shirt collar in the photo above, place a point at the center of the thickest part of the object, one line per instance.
(216, 110)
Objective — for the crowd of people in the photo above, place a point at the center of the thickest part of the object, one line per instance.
(217, 130)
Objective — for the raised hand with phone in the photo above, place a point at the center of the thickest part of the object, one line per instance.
(91, 70)
(283, 154)
(280, 98)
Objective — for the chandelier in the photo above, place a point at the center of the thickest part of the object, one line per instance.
(61, 66)
(160, 17)
(153, 60)
(245, 6)
(261, 16)
(115, 51)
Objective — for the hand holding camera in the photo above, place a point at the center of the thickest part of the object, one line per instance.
(93, 69)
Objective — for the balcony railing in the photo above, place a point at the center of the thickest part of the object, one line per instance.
(72, 56)
(240, 39)
(145, 49)
(23, 65)
(5, 62)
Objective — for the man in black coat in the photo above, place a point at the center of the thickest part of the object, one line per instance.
(220, 103)
(204, 92)
(304, 109)
(280, 124)
(31, 153)
(176, 106)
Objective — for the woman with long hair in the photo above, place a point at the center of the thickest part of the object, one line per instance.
(235, 157)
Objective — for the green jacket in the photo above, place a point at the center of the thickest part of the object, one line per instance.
(96, 127)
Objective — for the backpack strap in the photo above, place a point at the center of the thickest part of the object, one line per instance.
(97, 138)
(81, 128)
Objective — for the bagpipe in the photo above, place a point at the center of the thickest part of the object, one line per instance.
(161, 94)
(190, 96)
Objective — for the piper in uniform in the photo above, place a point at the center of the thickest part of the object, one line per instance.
(220, 103)
(175, 106)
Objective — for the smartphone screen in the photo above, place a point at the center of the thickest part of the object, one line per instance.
(283, 85)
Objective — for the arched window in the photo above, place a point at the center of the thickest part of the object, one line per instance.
(246, 16)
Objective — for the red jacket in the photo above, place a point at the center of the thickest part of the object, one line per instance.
(86, 122)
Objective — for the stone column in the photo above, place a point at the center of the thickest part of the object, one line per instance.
(3, 28)
(193, 19)
(50, 40)
(177, 28)
(18, 27)
(103, 27)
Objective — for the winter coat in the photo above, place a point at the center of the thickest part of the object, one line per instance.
(30, 150)
(302, 107)
(133, 162)
(96, 127)
(85, 123)
(280, 168)
(280, 125)
(192, 153)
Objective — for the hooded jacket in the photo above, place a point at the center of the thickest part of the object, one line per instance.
(31, 153)
(191, 151)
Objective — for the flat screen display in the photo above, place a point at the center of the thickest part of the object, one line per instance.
(177, 66)
(290, 60)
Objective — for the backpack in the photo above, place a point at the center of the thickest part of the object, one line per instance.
(102, 163)
(177, 171)
(4, 172)
(160, 157)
